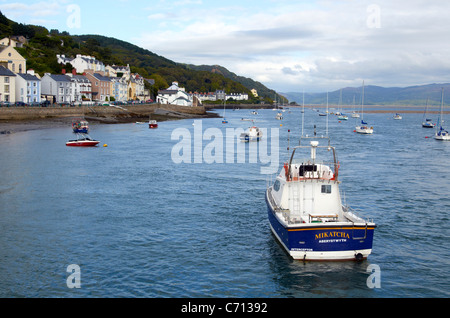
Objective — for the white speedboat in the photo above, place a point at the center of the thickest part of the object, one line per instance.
(306, 213)
(397, 116)
(252, 134)
(279, 116)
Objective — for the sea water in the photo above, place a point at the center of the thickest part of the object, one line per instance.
(127, 221)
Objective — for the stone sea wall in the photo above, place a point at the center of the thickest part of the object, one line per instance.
(123, 111)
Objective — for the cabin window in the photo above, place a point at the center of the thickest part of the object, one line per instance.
(277, 185)
(326, 189)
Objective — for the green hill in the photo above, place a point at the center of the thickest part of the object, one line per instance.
(44, 45)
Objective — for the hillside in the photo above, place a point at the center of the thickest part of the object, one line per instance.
(376, 95)
(44, 45)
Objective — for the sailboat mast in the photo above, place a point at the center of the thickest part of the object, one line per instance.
(327, 114)
(303, 111)
(362, 103)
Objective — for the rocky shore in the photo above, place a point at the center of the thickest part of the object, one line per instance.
(18, 119)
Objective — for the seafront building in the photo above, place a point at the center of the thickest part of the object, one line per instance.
(28, 88)
(101, 86)
(57, 88)
(7, 85)
(82, 87)
(175, 95)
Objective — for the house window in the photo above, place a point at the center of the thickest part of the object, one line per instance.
(6, 90)
(6, 79)
(326, 189)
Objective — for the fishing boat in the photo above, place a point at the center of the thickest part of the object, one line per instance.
(252, 134)
(441, 133)
(152, 124)
(83, 140)
(397, 116)
(363, 128)
(427, 122)
(305, 210)
(80, 126)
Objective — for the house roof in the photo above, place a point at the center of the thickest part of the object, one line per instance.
(5, 72)
(101, 77)
(60, 78)
(29, 77)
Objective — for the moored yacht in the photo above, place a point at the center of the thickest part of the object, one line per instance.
(306, 213)
(252, 134)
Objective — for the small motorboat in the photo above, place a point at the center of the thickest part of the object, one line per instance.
(152, 124)
(252, 134)
(80, 126)
(397, 116)
(279, 116)
(83, 140)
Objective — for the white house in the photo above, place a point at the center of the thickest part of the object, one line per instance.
(28, 88)
(82, 87)
(174, 95)
(7, 85)
(114, 71)
(82, 63)
(60, 87)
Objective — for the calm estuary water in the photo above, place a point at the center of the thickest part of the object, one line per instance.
(139, 225)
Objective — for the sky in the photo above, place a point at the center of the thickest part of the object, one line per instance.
(289, 46)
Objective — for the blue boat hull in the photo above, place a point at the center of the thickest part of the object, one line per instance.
(323, 241)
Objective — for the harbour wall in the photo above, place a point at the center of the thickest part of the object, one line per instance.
(123, 111)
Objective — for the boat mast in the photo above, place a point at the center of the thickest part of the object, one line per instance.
(327, 115)
(303, 111)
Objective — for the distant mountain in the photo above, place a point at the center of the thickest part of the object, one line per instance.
(376, 95)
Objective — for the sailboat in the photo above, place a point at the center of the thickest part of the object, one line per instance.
(427, 122)
(363, 128)
(341, 115)
(441, 133)
(224, 120)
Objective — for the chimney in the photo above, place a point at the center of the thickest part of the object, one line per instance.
(74, 72)
(64, 71)
(31, 72)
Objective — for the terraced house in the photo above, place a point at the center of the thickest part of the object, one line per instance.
(101, 86)
(7, 85)
(28, 88)
(57, 87)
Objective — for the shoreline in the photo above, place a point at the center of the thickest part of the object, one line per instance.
(162, 113)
